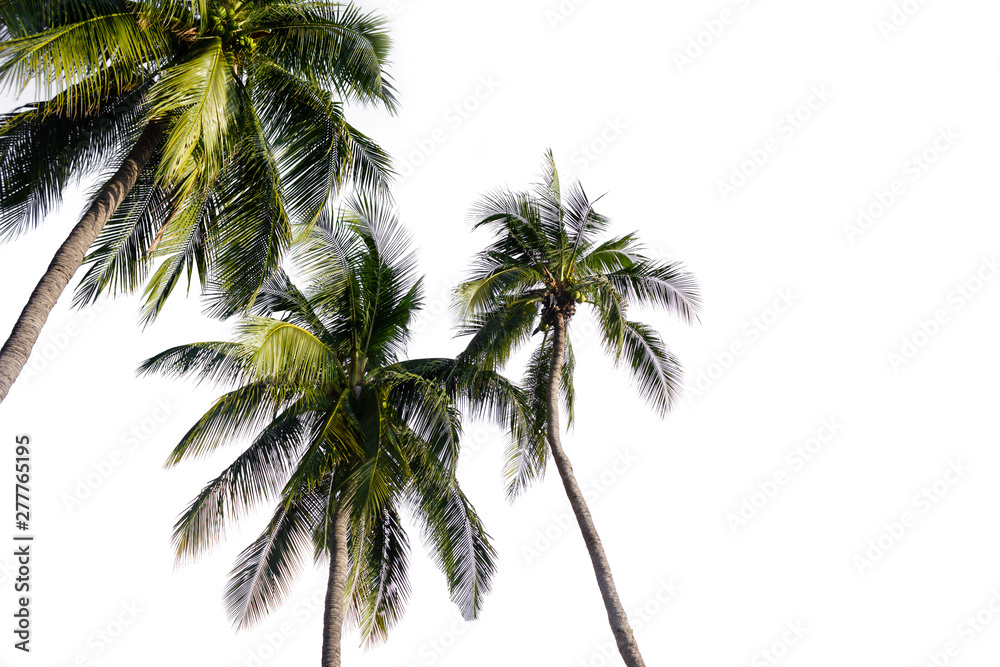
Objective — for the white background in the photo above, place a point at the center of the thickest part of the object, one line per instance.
(600, 82)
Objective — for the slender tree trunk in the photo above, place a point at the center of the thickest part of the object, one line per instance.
(616, 614)
(333, 610)
(68, 258)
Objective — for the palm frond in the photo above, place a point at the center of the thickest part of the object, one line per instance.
(582, 221)
(255, 226)
(199, 94)
(551, 216)
(279, 297)
(184, 242)
(483, 292)
(223, 362)
(380, 585)
(310, 37)
(665, 284)
(287, 354)
(427, 409)
(612, 255)
(236, 414)
(655, 370)
(257, 475)
(458, 540)
(263, 573)
(121, 257)
(496, 335)
(91, 51)
(42, 152)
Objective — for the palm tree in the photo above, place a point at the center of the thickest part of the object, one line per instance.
(216, 127)
(345, 435)
(546, 259)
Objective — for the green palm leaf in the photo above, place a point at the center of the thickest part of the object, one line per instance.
(60, 58)
(257, 475)
(200, 92)
(260, 580)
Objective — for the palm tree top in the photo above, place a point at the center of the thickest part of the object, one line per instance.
(43, 41)
(249, 96)
(340, 421)
(547, 243)
(550, 255)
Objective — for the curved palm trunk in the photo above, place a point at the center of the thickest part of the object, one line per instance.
(334, 608)
(616, 614)
(68, 258)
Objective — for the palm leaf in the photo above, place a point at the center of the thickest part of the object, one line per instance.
(258, 474)
(458, 540)
(656, 371)
(199, 91)
(263, 573)
(380, 583)
(93, 51)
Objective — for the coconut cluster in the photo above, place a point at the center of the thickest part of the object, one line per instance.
(562, 304)
(223, 22)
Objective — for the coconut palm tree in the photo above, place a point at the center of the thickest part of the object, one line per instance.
(215, 127)
(547, 258)
(344, 435)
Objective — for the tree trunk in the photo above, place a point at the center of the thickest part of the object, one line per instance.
(616, 614)
(333, 610)
(69, 257)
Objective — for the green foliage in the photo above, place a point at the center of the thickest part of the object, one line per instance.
(250, 98)
(339, 422)
(545, 259)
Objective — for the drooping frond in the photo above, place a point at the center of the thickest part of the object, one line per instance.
(236, 414)
(458, 540)
(121, 257)
(665, 284)
(655, 370)
(380, 583)
(426, 408)
(566, 387)
(299, 122)
(257, 475)
(526, 458)
(184, 243)
(96, 51)
(254, 225)
(263, 573)
(43, 152)
(498, 334)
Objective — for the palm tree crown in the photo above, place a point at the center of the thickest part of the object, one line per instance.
(345, 433)
(546, 259)
(244, 100)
